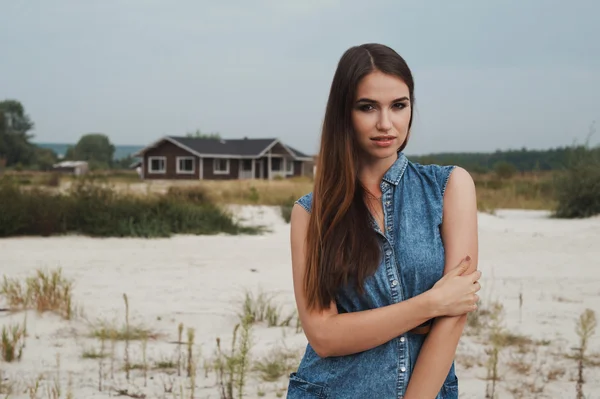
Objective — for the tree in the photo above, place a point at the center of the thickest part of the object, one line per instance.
(124, 163)
(15, 147)
(45, 158)
(95, 148)
(199, 135)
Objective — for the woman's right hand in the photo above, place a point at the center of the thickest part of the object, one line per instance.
(455, 293)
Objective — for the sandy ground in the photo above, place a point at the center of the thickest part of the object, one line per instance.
(200, 281)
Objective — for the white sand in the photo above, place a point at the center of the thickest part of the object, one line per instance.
(200, 280)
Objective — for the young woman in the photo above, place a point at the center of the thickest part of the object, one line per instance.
(384, 250)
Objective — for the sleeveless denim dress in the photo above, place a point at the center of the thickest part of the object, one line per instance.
(412, 262)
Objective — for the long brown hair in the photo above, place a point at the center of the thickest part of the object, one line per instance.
(341, 245)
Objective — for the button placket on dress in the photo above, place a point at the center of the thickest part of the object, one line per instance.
(388, 219)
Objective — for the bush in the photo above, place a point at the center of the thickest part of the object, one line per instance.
(578, 187)
(96, 210)
(505, 170)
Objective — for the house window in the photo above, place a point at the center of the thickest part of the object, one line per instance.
(221, 166)
(185, 165)
(157, 164)
(247, 164)
(276, 164)
(289, 166)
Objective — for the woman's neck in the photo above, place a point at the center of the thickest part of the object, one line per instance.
(372, 171)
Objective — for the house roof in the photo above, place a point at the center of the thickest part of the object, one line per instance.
(235, 147)
(298, 154)
(218, 147)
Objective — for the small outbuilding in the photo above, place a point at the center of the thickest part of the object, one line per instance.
(76, 168)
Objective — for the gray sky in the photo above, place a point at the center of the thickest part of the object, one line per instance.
(489, 74)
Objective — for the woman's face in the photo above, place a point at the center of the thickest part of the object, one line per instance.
(380, 115)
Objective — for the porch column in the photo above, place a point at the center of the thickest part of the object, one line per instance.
(201, 162)
(253, 165)
(269, 167)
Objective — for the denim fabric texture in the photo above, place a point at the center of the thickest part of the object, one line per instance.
(412, 262)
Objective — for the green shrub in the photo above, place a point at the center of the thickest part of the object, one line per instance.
(97, 210)
(12, 217)
(504, 170)
(578, 187)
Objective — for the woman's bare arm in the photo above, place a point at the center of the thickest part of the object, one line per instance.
(333, 334)
(459, 233)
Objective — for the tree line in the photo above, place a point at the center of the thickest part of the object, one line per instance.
(522, 160)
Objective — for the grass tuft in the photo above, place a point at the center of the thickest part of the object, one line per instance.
(232, 368)
(279, 362)
(133, 333)
(46, 291)
(261, 307)
(12, 342)
(585, 328)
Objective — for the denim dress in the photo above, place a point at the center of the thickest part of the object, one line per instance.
(412, 262)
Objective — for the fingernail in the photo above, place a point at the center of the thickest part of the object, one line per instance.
(468, 258)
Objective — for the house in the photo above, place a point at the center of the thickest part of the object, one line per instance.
(174, 157)
(77, 168)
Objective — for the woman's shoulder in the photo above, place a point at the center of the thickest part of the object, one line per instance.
(305, 201)
(435, 174)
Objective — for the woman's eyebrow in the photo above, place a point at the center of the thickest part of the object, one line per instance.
(369, 101)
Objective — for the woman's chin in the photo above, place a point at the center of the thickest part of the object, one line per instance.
(382, 154)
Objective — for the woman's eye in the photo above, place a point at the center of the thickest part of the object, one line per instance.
(400, 105)
(366, 107)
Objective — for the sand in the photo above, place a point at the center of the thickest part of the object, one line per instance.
(200, 281)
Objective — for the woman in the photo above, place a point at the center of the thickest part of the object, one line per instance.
(384, 251)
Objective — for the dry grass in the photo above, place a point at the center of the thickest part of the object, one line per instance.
(511, 339)
(531, 190)
(468, 361)
(46, 291)
(36, 178)
(6, 387)
(522, 191)
(279, 362)
(479, 321)
(585, 328)
(92, 353)
(232, 368)
(123, 333)
(518, 365)
(565, 300)
(555, 373)
(261, 307)
(165, 364)
(12, 342)
(243, 192)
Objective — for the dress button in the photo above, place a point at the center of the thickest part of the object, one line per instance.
(403, 369)
(387, 202)
(402, 339)
(394, 283)
(389, 228)
(388, 253)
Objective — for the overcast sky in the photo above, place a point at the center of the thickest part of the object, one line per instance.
(488, 74)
